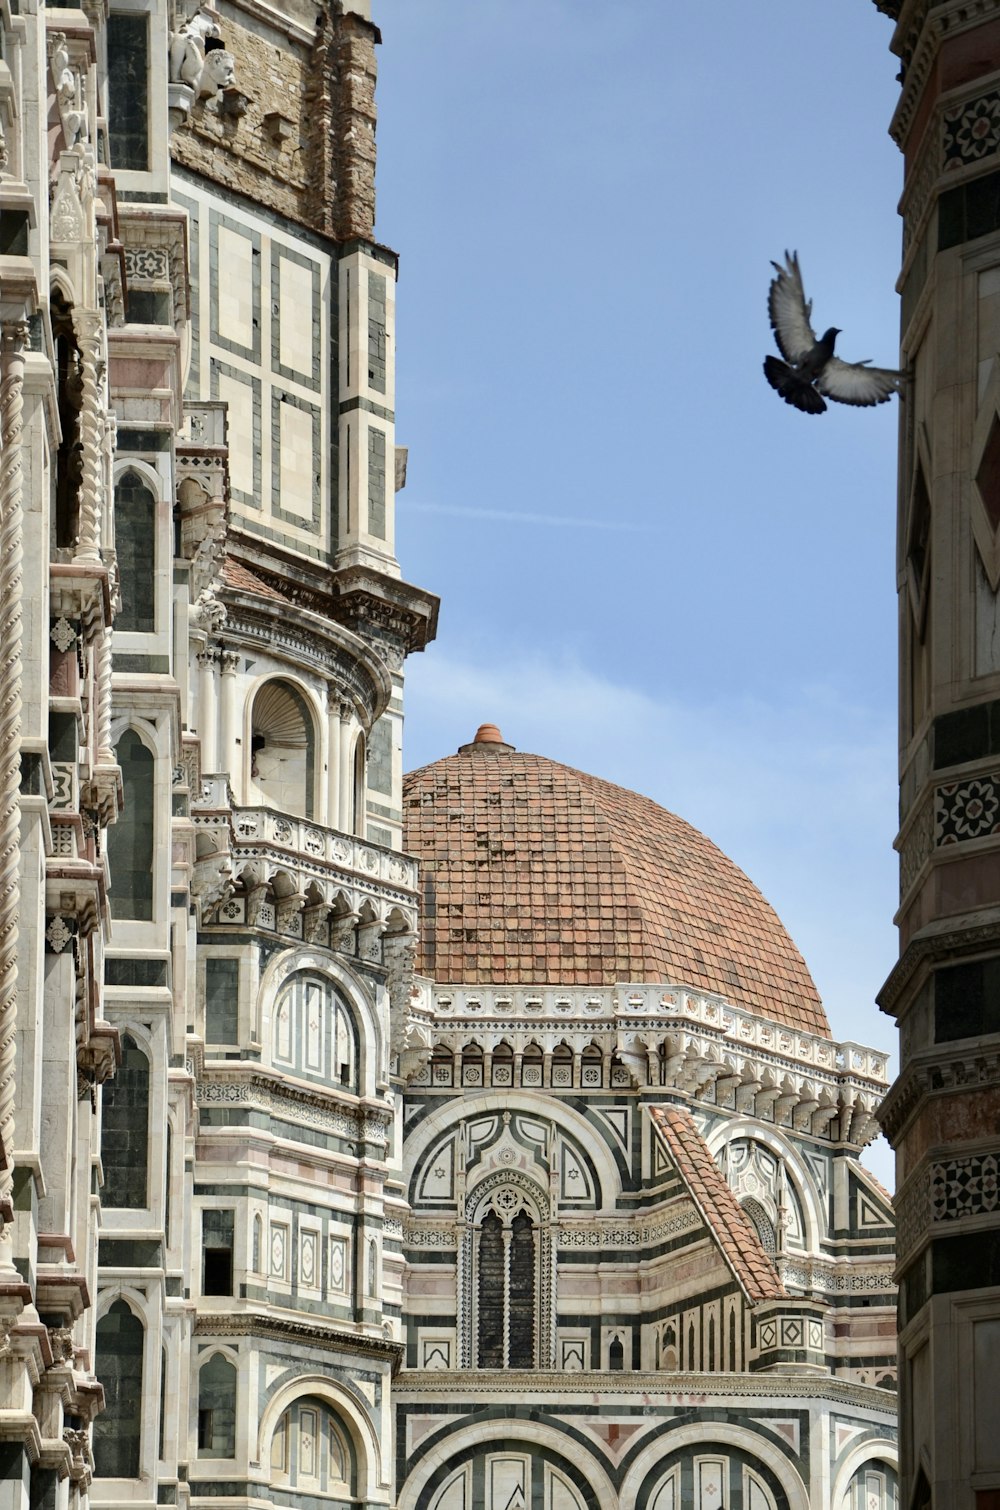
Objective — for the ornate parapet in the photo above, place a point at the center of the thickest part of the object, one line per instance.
(684, 1041)
(263, 869)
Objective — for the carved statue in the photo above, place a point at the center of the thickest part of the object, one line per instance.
(219, 72)
(72, 107)
(187, 50)
(198, 59)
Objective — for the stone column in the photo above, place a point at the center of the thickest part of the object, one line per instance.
(228, 759)
(207, 709)
(332, 761)
(346, 770)
(13, 336)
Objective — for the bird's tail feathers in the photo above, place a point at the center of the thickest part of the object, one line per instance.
(793, 389)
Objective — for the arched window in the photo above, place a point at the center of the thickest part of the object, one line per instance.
(130, 840)
(668, 1344)
(314, 1033)
(217, 1408)
(616, 1355)
(310, 1450)
(507, 1259)
(118, 1365)
(258, 1237)
(283, 749)
(125, 1130)
(135, 546)
(874, 1486)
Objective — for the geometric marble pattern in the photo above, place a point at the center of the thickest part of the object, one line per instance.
(964, 1187)
(972, 130)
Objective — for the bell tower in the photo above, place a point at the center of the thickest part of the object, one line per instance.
(943, 1113)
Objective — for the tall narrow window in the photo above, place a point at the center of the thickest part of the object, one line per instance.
(125, 1130)
(491, 1288)
(67, 474)
(135, 544)
(522, 1292)
(118, 1365)
(128, 90)
(217, 1229)
(130, 840)
(217, 1409)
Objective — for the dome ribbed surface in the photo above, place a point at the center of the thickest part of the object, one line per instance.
(533, 873)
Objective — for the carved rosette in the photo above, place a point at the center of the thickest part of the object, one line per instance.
(13, 338)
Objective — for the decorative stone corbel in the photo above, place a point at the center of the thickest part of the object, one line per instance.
(342, 930)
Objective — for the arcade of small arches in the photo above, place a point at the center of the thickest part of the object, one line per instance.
(550, 1060)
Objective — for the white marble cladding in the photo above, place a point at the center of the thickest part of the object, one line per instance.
(661, 1009)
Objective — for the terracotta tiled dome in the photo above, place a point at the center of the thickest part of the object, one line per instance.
(533, 873)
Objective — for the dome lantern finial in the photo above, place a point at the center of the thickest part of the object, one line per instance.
(488, 741)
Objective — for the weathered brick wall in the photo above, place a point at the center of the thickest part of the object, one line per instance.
(319, 169)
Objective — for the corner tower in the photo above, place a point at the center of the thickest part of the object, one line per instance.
(942, 1113)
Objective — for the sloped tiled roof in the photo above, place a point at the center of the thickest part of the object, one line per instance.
(235, 574)
(733, 1231)
(533, 873)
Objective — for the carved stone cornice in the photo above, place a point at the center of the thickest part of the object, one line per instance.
(936, 1072)
(370, 600)
(304, 638)
(670, 1391)
(302, 1333)
(933, 946)
(922, 26)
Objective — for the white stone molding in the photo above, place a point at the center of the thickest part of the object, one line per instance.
(13, 338)
(350, 1406)
(724, 1434)
(711, 1051)
(872, 1449)
(480, 1434)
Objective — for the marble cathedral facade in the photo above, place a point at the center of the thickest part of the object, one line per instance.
(621, 1251)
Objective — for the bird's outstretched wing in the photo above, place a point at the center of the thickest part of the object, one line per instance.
(857, 383)
(790, 310)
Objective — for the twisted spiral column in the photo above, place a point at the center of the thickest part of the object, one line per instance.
(13, 336)
(92, 431)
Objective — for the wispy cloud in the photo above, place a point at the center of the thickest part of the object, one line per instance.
(514, 516)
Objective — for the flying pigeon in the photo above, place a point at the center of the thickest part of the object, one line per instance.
(810, 367)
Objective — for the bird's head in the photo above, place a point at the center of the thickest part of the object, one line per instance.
(830, 336)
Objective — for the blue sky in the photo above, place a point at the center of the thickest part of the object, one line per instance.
(650, 567)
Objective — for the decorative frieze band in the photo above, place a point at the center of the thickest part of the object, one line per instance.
(297, 1106)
